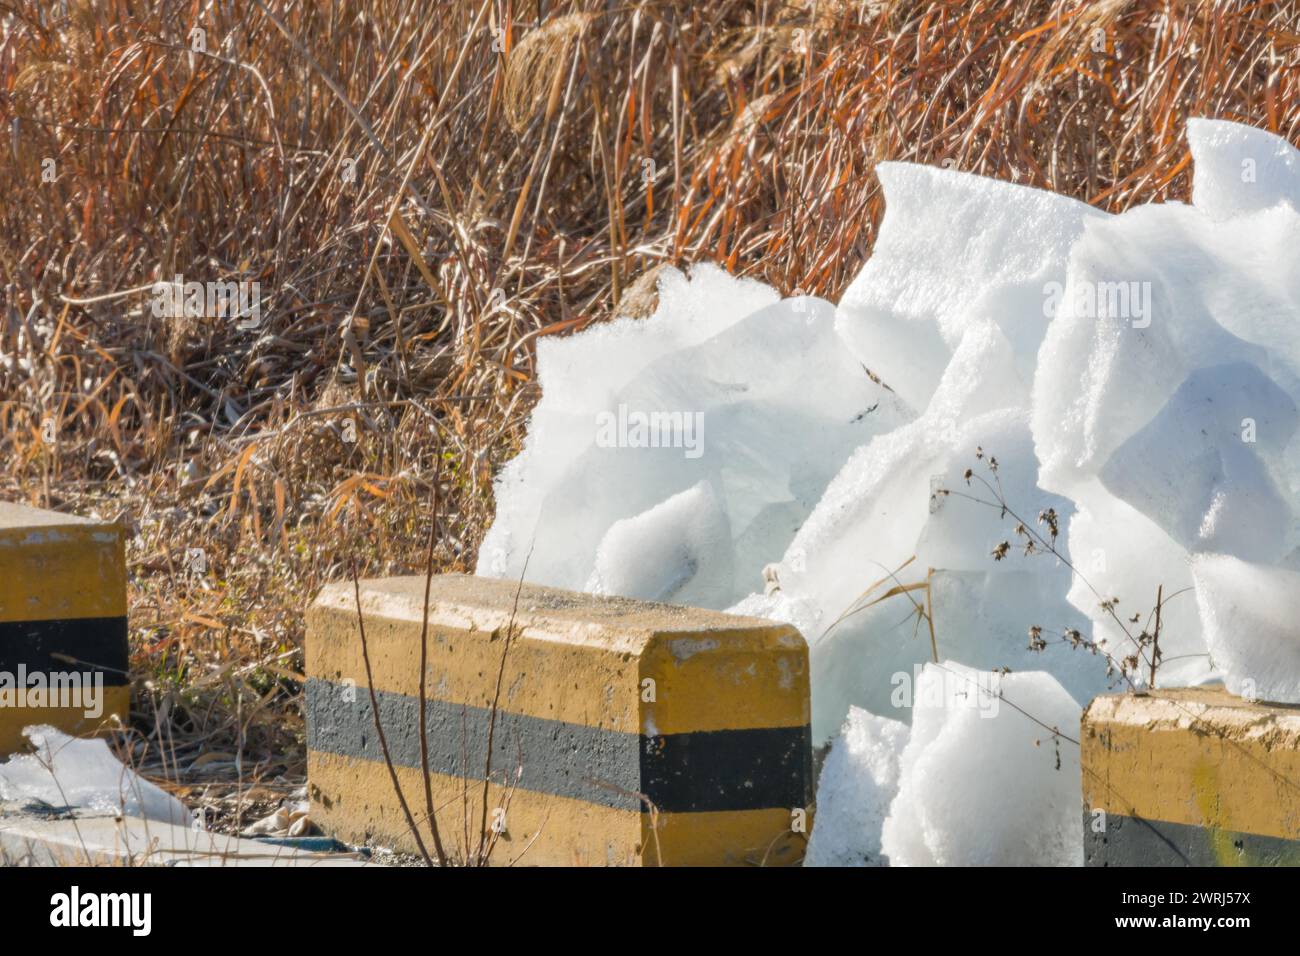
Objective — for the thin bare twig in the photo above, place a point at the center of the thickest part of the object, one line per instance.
(379, 726)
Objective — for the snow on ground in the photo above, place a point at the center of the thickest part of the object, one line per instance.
(1025, 419)
(858, 783)
(65, 771)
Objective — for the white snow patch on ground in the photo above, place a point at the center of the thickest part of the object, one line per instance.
(858, 782)
(65, 771)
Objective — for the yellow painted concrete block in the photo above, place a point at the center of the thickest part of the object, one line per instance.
(63, 636)
(1192, 776)
(626, 732)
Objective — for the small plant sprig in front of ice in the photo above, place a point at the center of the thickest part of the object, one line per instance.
(1032, 541)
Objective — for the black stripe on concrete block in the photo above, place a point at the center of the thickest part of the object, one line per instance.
(80, 644)
(679, 773)
(547, 756)
(728, 769)
(1134, 841)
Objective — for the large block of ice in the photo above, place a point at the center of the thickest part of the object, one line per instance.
(1123, 558)
(1151, 296)
(955, 249)
(878, 513)
(871, 518)
(982, 619)
(679, 551)
(581, 374)
(1252, 625)
(987, 777)
(738, 411)
(1202, 468)
(1237, 169)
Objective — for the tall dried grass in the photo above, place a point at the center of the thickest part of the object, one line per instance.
(425, 190)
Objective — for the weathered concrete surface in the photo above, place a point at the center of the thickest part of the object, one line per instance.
(1192, 776)
(62, 611)
(608, 707)
(96, 838)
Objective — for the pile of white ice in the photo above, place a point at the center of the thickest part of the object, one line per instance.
(67, 772)
(985, 776)
(1136, 375)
